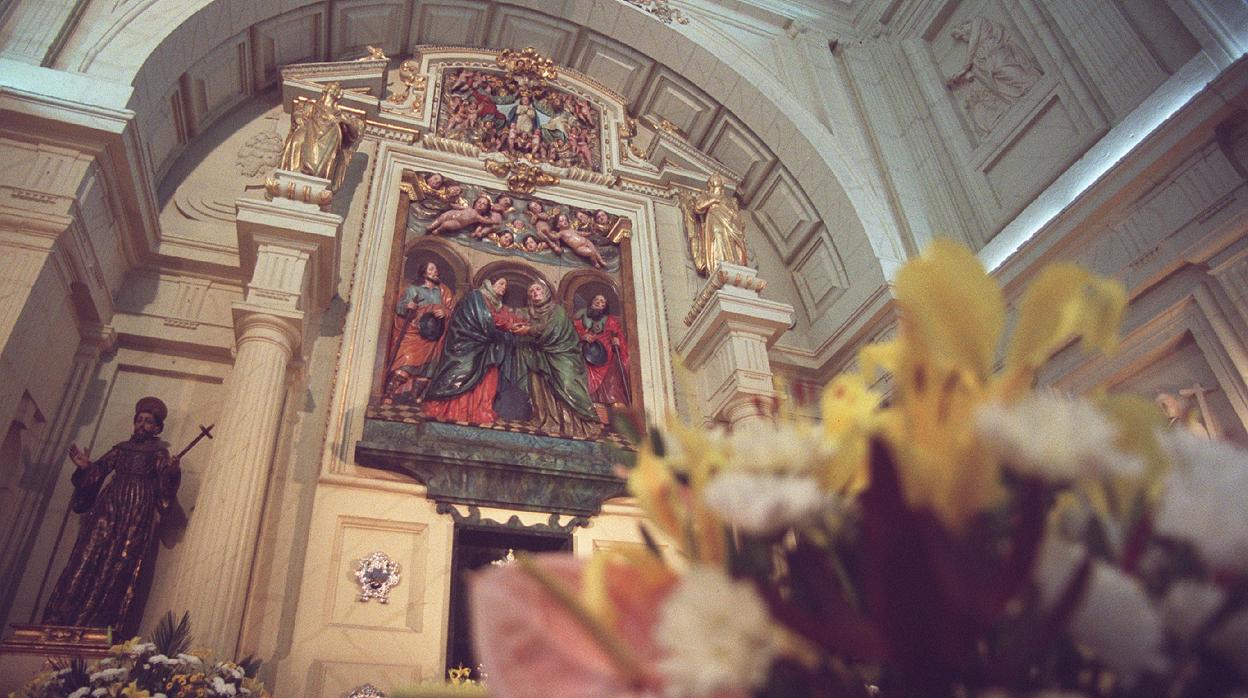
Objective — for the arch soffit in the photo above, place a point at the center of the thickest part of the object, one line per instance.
(152, 43)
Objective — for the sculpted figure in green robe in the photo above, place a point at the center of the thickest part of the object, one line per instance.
(550, 353)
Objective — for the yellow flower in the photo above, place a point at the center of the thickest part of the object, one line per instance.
(133, 691)
(952, 320)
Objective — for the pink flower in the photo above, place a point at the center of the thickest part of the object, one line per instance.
(531, 643)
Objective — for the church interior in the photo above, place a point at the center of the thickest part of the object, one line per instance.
(371, 294)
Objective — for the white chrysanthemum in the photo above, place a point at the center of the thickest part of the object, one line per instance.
(221, 688)
(1203, 501)
(763, 504)
(1054, 438)
(1115, 618)
(80, 693)
(716, 636)
(100, 692)
(786, 447)
(108, 675)
(1188, 605)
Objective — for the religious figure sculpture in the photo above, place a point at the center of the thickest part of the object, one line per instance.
(322, 138)
(418, 330)
(550, 354)
(997, 71)
(606, 353)
(478, 354)
(1181, 413)
(714, 227)
(99, 584)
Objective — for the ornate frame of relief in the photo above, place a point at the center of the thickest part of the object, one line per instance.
(370, 276)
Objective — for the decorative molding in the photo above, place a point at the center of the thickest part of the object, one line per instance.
(661, 10)
(366, 690)
(736, 276)
(475, 519)
(58, 641)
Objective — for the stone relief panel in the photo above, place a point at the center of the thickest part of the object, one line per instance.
(294, 37)
(452, 22)
(997, 71)
(362, 23)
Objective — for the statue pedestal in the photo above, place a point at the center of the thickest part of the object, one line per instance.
(731, 328)
(295, 189)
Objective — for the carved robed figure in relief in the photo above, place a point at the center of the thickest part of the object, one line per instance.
(322, 137)
(714, 227)
(99, 585)
(997, 72)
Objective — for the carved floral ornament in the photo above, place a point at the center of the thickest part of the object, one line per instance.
(366, 690)
(661, 10)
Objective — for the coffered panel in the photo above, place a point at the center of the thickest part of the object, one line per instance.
(784, 213)
(517, 28)
(673, 98)
(612, 64)
(359, 24)
(819, 274)
(294, 37)
(731, 143)
(219, 81)
(449, 22)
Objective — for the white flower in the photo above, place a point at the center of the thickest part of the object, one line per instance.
(108, 675)
(1188, 606)
(80, 693)
(220, 687)
(1054, 438)
(786, 447)
(716, 636)
(100, 692)
(763, 504)
(1115, 618)
(1203, 500)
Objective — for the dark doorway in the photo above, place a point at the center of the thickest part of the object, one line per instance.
(476, 547)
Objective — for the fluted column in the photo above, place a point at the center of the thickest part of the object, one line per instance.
(290, 252)
(731, 327)
(224, 525)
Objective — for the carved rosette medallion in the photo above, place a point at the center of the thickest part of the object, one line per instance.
(377, 575)
(366, 690)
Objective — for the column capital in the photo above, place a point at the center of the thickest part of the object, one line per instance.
(256, 322)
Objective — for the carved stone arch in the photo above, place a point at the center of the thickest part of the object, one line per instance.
(518, 274)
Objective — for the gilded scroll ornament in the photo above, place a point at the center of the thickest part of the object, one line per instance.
(522, 177)
(527, 65)
(323, 137)
(714, 227)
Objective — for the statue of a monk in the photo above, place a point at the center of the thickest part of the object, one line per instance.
(99, 584)
(322, 137)
(714, 227)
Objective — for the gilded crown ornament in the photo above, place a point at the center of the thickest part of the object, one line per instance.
(522, 177)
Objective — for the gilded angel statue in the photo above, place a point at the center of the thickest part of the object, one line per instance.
(714, 227)
(323, 137)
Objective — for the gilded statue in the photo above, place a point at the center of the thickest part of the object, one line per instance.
(323, 137)
(100, 582)
(714, 227)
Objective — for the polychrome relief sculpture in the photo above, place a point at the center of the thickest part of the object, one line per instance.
(996, 74)
(507, 312)
(514, 110)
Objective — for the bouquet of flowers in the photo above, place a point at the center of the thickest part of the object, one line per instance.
(161, 668)
(970, 535)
